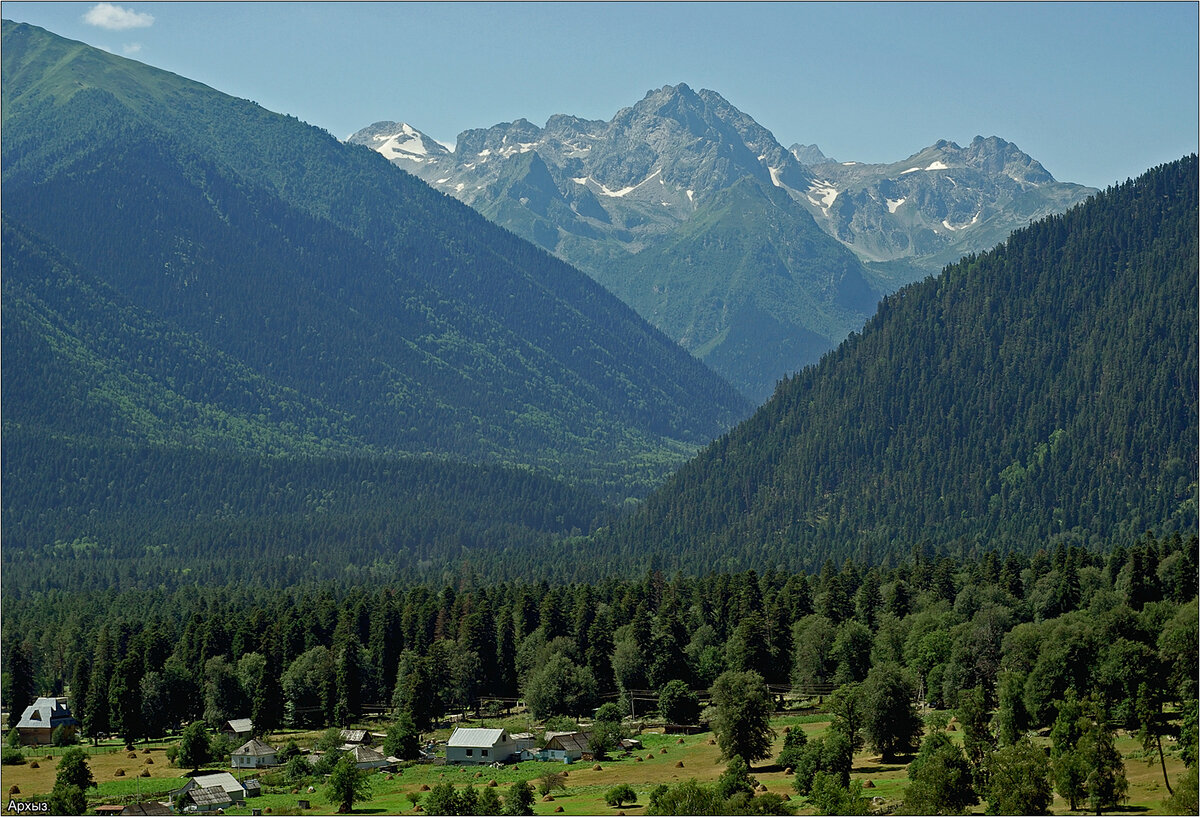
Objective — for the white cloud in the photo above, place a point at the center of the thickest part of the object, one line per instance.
(116, 18)
(131, 48)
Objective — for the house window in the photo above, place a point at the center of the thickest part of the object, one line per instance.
(470, 752)
(483, 752)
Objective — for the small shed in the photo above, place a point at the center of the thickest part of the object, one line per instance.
(357, 737)
(226, 782)
(479, 746)
(567, 746)
(41, 718)
(208, 798)
(254, 754)
(524, 740)
(241, 728)
(367, 758)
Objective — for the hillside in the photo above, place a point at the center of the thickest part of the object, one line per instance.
(281, 292)
(1044, 390)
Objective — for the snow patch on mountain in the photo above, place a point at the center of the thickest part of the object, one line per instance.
(935, 165)
(625, 191)
(825, 196)
(946, 223)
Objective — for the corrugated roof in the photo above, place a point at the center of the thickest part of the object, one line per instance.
(223, 779)
(210, 796)
(240, 725)
(573, 741)
(476, 737)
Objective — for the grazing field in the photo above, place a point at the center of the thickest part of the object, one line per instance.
(665, 759)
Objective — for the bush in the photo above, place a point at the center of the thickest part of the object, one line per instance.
(12, 757)
(519, 801)
(617, 796)
(298, 768)
(403, 738)
(609, 713)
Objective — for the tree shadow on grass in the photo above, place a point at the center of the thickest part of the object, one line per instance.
(876, 768)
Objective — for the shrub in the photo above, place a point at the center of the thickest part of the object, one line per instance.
(12, 757)
(617, 796)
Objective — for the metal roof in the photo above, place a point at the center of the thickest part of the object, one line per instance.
(255, 748)
(474, 737)
(210, 796)
(45, 713)
(224, 780)
(573, 741)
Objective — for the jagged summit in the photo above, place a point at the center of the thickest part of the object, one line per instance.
(608, 196)
(993, 156)
(809, 154)
(399, 140)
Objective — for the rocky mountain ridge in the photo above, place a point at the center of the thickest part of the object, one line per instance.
(609, 197)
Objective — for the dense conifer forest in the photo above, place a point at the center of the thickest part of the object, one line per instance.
(1044, 390)
(1029, 631)
(186, 268)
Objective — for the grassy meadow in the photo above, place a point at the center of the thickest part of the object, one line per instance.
(663, 759)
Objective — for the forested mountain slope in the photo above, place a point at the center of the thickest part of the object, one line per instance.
(1047, 388)
(240, 280)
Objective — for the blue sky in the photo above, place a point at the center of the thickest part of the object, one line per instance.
(1098, 92)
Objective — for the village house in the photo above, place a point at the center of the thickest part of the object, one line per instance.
(41, 718)
(253, 754)
(480, 746)
(206, 791)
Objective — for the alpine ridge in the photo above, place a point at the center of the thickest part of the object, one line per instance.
(630, 201)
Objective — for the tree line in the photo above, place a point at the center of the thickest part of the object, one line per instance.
(1026, 630)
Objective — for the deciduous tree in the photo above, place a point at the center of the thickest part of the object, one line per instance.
(347, 785)
(743, 715)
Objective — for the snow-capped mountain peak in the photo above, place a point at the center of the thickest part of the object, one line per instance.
(401, 141)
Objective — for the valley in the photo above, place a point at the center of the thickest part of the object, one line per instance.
(803, 474)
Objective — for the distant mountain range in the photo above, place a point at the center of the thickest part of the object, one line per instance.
(934, 207)
(185, 271)
(757, 258)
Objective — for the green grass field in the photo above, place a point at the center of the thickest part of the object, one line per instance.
(664, 759)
